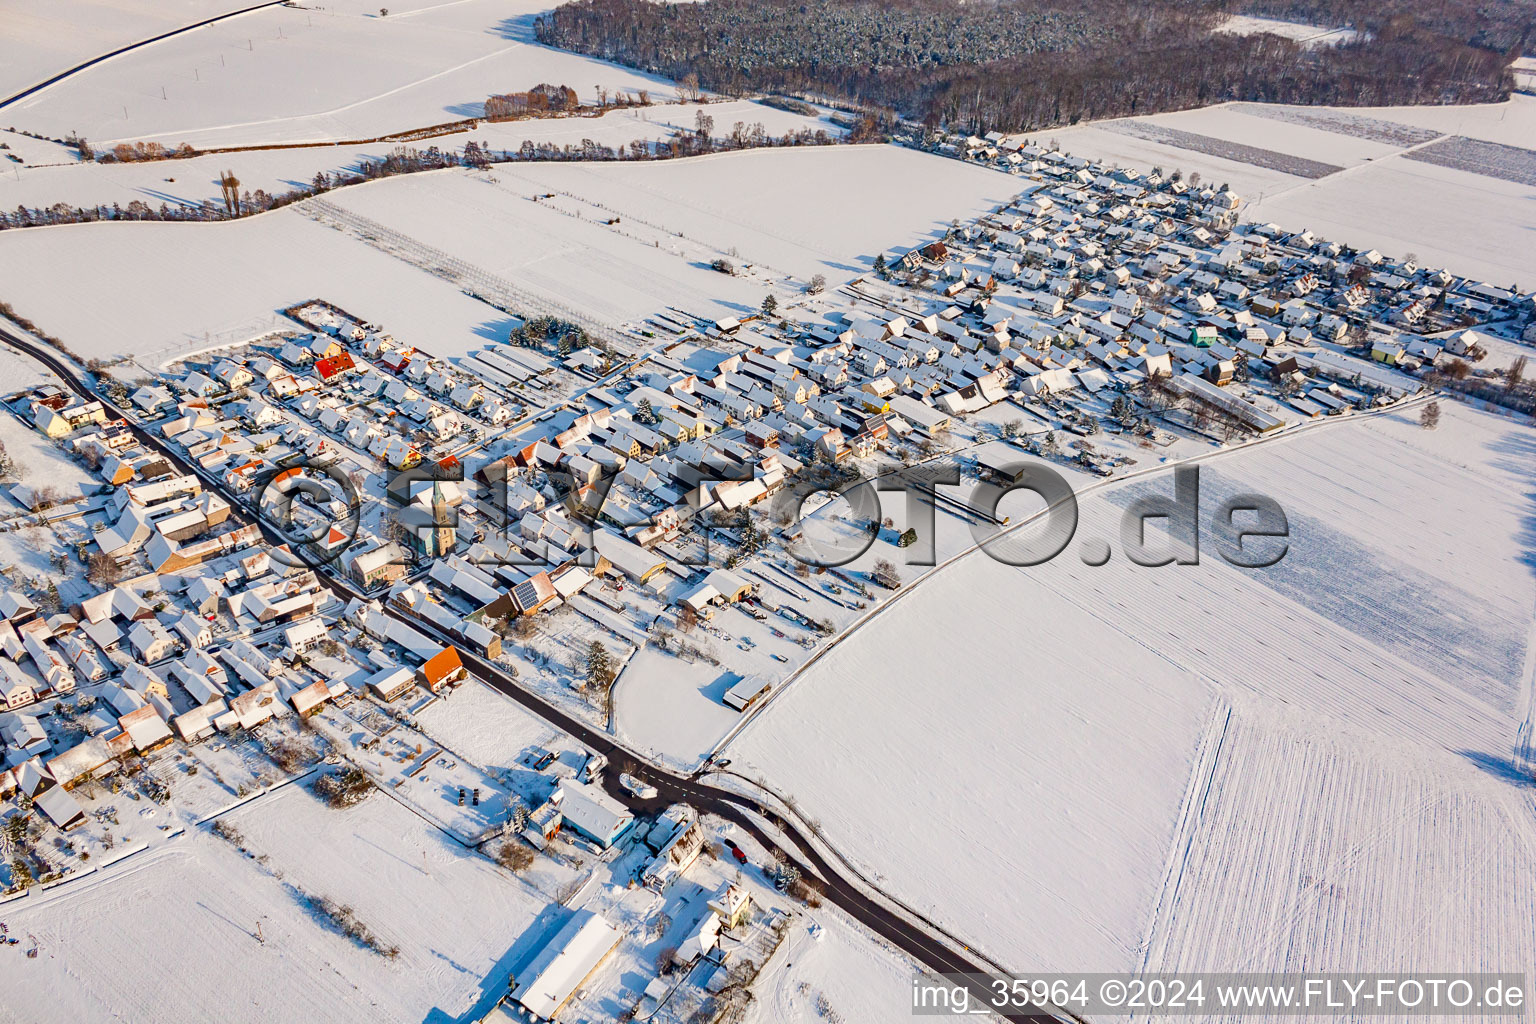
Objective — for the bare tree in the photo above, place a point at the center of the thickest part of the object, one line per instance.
(515, 857)
(1515, 374)
(1429, 418)
(102, 569)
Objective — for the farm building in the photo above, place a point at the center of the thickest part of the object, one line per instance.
(747, 691)
(572, 955)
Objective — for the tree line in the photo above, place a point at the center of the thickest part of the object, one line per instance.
(1018, 65)
(407, 160)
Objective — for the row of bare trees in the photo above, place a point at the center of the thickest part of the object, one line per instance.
(234, 203)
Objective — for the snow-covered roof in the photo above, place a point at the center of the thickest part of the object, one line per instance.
(571, 955)
(591, 811)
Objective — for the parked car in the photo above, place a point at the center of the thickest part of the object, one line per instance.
(593, 768)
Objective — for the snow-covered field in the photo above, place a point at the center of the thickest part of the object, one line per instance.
(484, 726)
(1366, 203)
(208, 284)
(1306, 35)
(44, 39)
(836, 974)
(1326, 850)
(1367, 209)
(1065, 751)
(799, 211)
(672, 708)
(171, 933)
(788, 210)
(1525, 73)
(317, 74)
(197, 924)
(996, 762)
(53, 174)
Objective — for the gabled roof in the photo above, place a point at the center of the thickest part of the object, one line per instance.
(441, 665)
(574, 952)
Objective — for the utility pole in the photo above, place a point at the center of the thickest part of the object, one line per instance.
(259, 937)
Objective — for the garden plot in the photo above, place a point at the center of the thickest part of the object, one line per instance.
(1491, 159)
(670, 704)
(39, 462)
(832, 971)
(1286, 163)
(490, 729)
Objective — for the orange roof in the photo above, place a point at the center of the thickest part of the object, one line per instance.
(328, 368)
(442, 664)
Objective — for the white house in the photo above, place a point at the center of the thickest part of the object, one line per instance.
(150, 641)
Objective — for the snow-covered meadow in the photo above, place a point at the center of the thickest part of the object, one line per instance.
(294, 74)
(44, 39)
